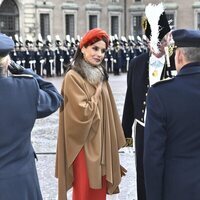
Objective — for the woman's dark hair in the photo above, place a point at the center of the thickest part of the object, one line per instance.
(78, 57)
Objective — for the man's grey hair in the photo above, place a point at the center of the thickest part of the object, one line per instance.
(192, 54)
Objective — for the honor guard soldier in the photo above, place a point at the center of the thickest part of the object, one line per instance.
(24, 97)
(77, 41)
(14, 54)
(22, 51)
(138, 46)
(39, 56)
(58, 56)
(66, 53)
(17, 53)
(142, 45)
(145, 70)
(124, 57)
(29, 54)
(116, 56)
(131, 44)
(109, 57)
(127, 52)
(73, 47)
(49, 57)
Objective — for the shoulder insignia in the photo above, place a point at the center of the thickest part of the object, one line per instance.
(163, 81)
(23, 75)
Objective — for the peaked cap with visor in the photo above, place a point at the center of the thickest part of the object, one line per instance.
(6, 45)
(186, 38)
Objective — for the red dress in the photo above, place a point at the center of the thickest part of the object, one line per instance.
(81, 188)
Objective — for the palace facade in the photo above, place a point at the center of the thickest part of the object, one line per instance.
(75, 17)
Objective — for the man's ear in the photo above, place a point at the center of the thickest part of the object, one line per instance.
(181, 57)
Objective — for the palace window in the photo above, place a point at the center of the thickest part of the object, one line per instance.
(44, 24)
(9, 18)
(115, 25)
(92, 21)
(137, 25)
(69, 25)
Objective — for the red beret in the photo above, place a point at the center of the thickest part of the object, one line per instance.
(92, 35)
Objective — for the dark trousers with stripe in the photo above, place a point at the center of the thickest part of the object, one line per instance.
(139, 149)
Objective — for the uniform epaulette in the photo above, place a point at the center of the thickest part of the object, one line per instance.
(163, 81)
(23, 75)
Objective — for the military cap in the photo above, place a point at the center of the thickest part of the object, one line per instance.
(6, 45)
(39, 43)
(48, 43)
(58, 41)
(186, 38)
(28, 42)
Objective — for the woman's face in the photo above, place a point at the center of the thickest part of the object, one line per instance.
(94, 54)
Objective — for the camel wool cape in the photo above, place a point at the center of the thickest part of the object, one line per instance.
(94, 125)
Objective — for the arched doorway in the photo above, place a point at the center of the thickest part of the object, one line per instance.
(9, 18)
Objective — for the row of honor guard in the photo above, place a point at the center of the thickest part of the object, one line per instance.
(42, 57)
(51, 59)
(121, 51)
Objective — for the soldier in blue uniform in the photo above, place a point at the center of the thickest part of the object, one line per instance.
(17, 54)
(24, 97)
(14, 52)
(21, 52)
(122, 55)
(116, 57)
(126, 55)
(59, 56)
(29, 55)
(66, 53)
(141, 74)
(49, 58)
(131, 44)
(172, 131)
(109, 58)
(39, 56)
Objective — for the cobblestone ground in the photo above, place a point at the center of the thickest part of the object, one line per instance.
(44, 139)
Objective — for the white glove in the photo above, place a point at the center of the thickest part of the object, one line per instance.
(127, 150)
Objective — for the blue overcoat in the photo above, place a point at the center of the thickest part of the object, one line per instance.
(23, 99)
(172, 137)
